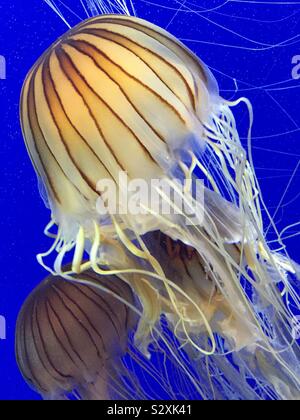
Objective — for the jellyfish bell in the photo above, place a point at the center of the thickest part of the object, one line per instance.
(70, 337)
(117, 94)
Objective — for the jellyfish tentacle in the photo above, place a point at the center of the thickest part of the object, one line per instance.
(79, 251)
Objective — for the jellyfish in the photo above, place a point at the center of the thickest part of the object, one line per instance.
(118, 105)
(70, 337)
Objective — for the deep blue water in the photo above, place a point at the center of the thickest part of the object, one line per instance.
(249, 46)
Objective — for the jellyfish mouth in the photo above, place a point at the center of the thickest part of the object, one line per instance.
(184, 266)
(169, 276)
(191, 291)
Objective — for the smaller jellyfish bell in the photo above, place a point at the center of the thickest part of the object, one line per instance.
(70, 337)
